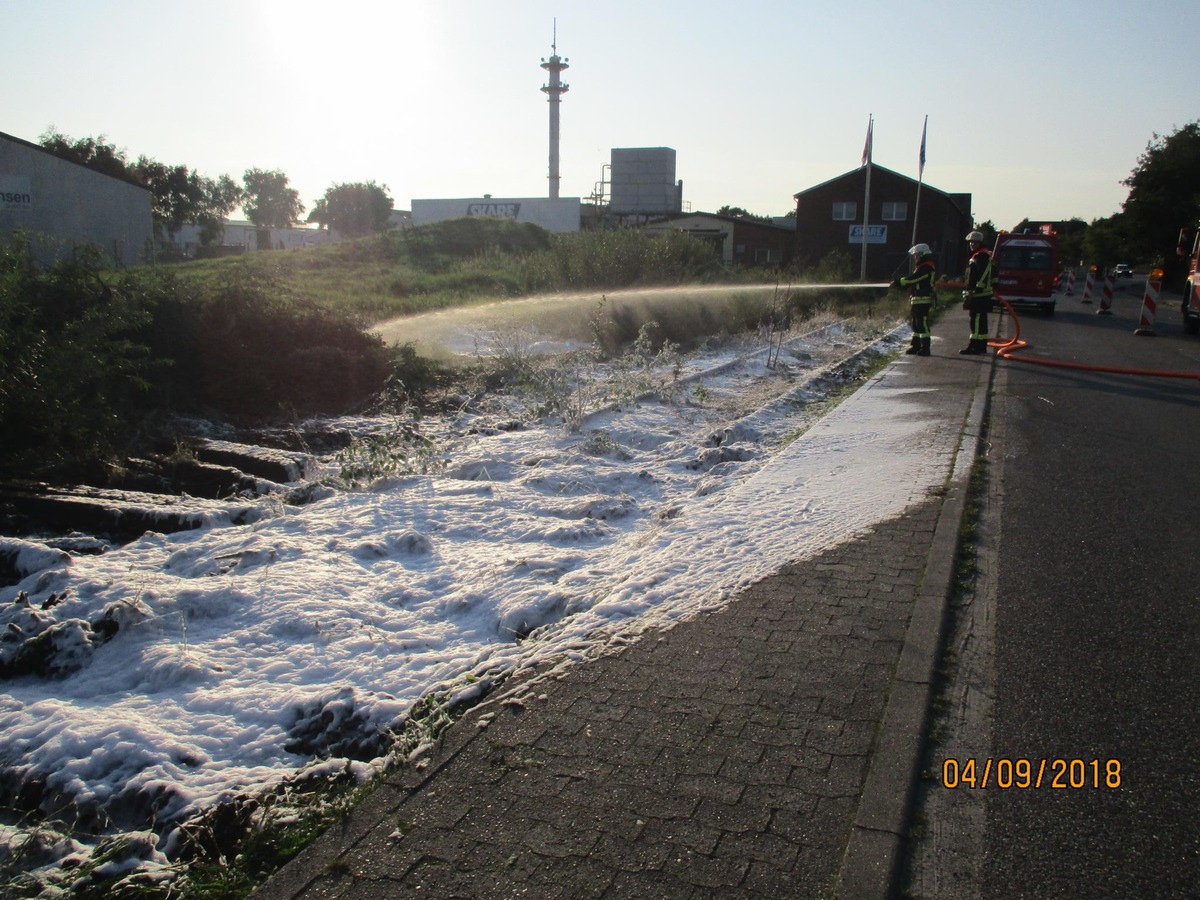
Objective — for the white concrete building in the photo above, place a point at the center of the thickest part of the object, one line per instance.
(560, 214)
(64, 205)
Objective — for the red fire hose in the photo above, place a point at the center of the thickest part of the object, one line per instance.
(1006, 349)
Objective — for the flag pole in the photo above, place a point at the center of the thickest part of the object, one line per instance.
(920, 179)
(862, 272)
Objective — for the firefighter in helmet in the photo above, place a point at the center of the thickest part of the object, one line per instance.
(921, 295)
(977, 297)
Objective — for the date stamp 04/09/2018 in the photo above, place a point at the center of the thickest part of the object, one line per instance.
(1031, 774)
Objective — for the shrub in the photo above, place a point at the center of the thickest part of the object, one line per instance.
(266, 353)
(72, 369)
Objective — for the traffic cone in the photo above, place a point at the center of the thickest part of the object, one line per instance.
(1071, 283)
(1106, 298)
(1153, 286)
(1088, 286)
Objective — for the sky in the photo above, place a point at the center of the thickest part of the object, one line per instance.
(234, 641)
(1038, 109)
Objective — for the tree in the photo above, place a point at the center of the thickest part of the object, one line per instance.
(95, 153)
(737, 212)
(179, 196)
(268, 201)
(1104, 243)
(1164, 196)
(354, 209)
(222, 196)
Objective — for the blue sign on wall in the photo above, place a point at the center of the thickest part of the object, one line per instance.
(876, 234)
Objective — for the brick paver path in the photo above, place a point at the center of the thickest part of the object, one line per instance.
(723, 756)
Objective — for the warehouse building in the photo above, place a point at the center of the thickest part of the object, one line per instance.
(63, 205)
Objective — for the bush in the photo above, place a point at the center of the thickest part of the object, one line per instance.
(73, 370)
(88, 358)
(265, 353)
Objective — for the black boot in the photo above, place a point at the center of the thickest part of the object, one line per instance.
(924, 350)
(915, 347)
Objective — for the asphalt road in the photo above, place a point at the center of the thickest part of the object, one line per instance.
(1097, 612)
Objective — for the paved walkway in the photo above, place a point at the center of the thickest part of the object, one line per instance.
(766, 749)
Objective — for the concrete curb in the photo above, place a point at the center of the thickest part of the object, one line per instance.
(871, 866)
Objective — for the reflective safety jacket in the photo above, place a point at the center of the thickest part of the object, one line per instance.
(920, 280)
(979, 274)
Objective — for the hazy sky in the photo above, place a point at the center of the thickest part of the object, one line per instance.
(1038, 109)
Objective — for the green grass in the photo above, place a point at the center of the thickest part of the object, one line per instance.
(449, 263)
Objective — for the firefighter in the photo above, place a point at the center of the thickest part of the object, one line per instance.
(920, 287)
(977, 298)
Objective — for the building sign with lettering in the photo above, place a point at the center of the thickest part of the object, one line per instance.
(876, 234)
(15, 192)
(495, 209)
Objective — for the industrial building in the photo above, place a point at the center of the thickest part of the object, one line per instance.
(63, 205)
(559, 214)
(643, 183)
(737, 240)
(829, 217)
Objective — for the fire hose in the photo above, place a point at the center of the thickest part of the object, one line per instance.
(1006, 349)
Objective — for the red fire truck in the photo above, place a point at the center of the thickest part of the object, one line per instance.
(1025, 269)
(1189, 246)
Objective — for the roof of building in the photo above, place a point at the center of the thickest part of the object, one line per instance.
(40, 149)
(742, 220)
(924, 184)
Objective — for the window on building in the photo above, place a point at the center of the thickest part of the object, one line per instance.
(895, 212)
(766, 255)
(845, 212)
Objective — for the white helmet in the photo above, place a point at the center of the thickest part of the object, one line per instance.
(919, 250)
(975, 237)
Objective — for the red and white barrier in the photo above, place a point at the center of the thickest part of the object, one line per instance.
(1088, 287)
(1106, 298)
(1071, 283)
(1149, 300)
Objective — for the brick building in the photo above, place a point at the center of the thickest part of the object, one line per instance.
(829, 217)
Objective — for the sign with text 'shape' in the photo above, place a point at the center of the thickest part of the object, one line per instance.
(876, 234)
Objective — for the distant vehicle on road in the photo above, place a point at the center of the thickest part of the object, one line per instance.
(1122, 270)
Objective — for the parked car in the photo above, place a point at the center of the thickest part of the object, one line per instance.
(1122, 270)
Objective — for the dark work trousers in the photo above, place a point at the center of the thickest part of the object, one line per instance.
(979, 307)
(920, 323)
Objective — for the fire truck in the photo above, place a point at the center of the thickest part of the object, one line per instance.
(1189, 246)
(1025, 269)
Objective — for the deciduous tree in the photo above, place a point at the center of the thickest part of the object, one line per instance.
(268, 201)
(1164, 196)
(354, 209)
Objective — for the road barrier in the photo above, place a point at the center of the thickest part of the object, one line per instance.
(1071, 283)
(1106, 298)
(1149, 300)
(1088, 286)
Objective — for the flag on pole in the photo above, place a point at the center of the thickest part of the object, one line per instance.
(921, 167)
(866, 157)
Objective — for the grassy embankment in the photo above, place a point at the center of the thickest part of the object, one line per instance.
(92, 359)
